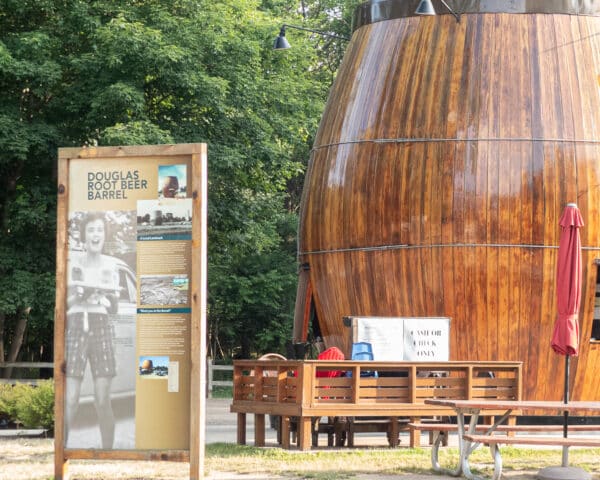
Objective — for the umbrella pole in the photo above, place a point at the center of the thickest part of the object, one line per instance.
(564, 472)
(565, 452)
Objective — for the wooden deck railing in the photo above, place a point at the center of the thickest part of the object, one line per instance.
(305, 389)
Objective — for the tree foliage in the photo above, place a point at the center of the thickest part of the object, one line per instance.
(107, 72)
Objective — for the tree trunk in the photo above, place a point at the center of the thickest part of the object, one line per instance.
(7, 188)
(2, 317)
(17, 341)
(245, 340)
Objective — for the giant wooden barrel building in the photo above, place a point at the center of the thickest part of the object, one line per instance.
(443, 161)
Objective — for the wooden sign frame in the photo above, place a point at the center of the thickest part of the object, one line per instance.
(196, 155)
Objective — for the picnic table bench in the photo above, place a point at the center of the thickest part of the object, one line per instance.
(292, 390)
(493, 441)
(473, 435)
(439, 436)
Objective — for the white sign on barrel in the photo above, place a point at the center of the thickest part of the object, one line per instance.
(414, 339)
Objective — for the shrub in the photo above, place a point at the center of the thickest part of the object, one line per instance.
(35, 405)
(31, 406)
(8, 402)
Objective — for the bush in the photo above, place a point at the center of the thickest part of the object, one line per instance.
(35, 405)
(8, 403)
(31, 406)
(222, 392)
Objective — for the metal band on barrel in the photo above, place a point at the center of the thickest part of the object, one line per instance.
(381, 10)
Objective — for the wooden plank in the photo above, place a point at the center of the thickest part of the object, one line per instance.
(269, 382)
(378, 409)
(290, 409)
(541, 440)
(493, 382)
(412, 376)
(259, 429)
(442, 392)
(148, 455)
(60, 459)
(458, 394)
(241, 428)
(492, 257)
(440, 382)
(333, 393)
(398, 381)
(285, 431)
(357, 392)
(198, 292)
(394, 430)
(453, 427)
(340, 382)
(503, 393)
(387, 392)
(304, 433)
(183, 149)
(306, 377)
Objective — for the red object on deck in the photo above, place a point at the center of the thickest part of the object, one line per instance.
(332, 353)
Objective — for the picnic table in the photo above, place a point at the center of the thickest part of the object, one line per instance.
(471, 436)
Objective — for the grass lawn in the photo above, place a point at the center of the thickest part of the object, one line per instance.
(29, 459)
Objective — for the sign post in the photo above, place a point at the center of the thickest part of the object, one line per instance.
(130, 319)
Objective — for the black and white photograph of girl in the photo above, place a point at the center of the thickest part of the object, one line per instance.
(100, 331)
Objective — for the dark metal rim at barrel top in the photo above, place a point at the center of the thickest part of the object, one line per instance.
(381, 10)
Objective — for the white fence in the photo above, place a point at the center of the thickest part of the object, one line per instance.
(30, 381)
(212, 368)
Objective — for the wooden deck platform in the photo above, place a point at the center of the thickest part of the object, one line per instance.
(292, 389)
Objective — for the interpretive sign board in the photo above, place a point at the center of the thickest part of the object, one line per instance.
(131, 304)
(414, 339)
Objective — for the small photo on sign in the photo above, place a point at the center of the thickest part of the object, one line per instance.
(166, 219)
(172, 181)
(164, 290)
(152, 366)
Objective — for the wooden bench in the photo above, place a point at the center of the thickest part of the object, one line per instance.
(293, 390)
(439, 433)
(495, 440)
(440, 430)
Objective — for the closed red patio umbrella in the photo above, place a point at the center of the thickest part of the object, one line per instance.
(565, 338)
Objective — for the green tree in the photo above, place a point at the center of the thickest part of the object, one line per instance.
(28, 77)
(143, 72)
